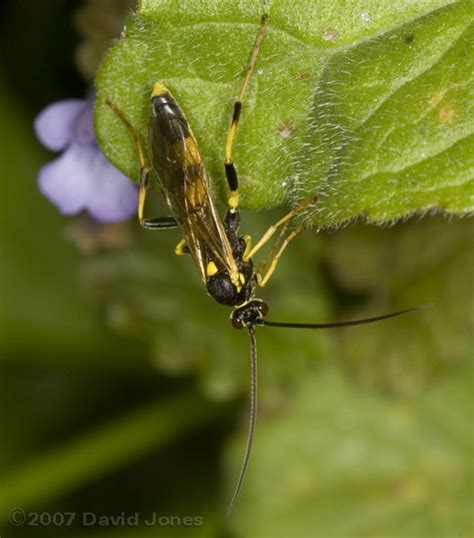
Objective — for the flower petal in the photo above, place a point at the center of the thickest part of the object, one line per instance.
(115, 196)
(55, 125)
(84, 125)
(68, 181)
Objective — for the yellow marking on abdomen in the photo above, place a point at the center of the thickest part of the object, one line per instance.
(211, 269)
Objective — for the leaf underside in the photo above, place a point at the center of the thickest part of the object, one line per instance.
(371, 110)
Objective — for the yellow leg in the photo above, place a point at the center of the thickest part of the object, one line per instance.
(271, 231)
(132, 130)
(248, 244)
(230, 171)
(143, 170)
(271, 254)
(181, 248)
(142, 191)
(262, 280)
(159, 223)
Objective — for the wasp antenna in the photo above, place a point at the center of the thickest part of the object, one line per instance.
(340, 323)
(252, 419)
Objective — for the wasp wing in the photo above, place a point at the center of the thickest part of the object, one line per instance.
(183, 180)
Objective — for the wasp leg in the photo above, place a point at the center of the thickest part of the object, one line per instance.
(271, 231)
(274, 249)
(181, 248)
(248, 244)
(159, 223)
(263, 279)
(133, 132)
(230, 171)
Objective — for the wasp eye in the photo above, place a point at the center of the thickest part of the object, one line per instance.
(237, 322)
(263, 309)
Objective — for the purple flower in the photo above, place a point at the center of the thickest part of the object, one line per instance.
(81, 178)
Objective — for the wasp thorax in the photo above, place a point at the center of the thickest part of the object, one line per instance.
(249, 314)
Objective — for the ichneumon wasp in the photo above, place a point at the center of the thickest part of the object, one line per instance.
(221, 254)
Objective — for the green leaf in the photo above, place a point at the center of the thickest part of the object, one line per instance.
(369, 107)
(339, 462)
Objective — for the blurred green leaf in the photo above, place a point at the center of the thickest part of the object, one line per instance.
(411, 264)
(341, 462)
(158, 297)
(101, 451)
(369, 107)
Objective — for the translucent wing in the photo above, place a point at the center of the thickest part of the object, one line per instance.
(183, 180)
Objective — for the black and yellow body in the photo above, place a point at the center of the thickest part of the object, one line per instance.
(222, 256)
(215, 246)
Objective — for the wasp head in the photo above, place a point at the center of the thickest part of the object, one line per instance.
(249, 314)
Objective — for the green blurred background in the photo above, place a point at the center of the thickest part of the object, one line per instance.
(123, 387)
